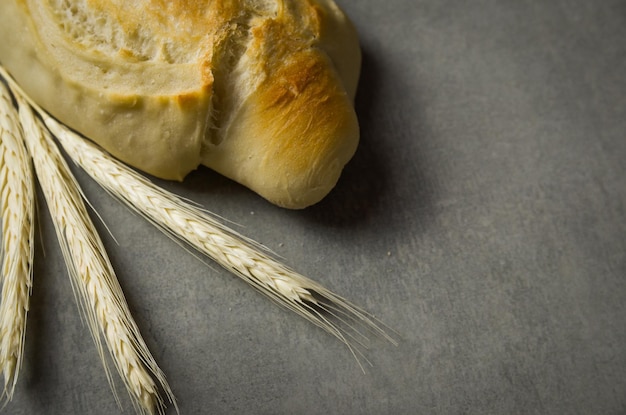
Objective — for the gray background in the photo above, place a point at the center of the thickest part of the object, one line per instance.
(483, 218)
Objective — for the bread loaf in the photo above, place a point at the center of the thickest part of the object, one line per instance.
(259, 90)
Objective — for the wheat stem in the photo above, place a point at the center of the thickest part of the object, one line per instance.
(194, 226)
(93, 279)
(17, 211)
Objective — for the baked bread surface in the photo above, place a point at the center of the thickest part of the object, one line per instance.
(259, 90)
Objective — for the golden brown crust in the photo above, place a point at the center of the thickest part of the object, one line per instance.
(259, 90)
(304, 129)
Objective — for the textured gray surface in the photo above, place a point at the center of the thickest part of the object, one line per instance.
(483, 218)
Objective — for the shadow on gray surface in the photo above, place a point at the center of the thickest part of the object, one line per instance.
(368, 188)
(40, 326)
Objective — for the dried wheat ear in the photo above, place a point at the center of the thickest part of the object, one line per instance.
(93, 277)
(17, 210)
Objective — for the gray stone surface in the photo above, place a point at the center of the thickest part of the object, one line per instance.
(483, 218)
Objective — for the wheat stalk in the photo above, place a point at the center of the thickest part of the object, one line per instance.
(242, 256)
(93, 279)
(17, 211)
(237, 254)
